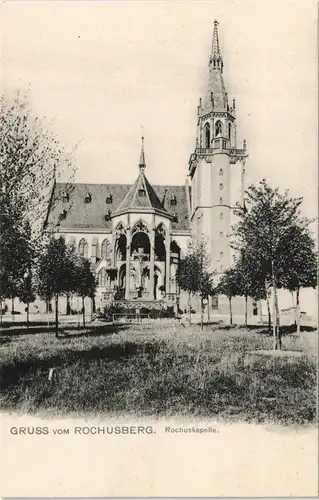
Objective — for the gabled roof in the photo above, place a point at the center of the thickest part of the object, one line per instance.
(141, 197)
(91, 216)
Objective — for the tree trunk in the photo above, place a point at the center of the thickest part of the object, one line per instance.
(275, 308)
(294, 308)
(189, 309)
(93, 304)
(83, 311)
(268, 307)
(1, 320)
(208, 311)
(68, 305)
(260, 313)
(298, 309)
(230, 312)
(28, 312)
(201, 313)
(12, 309)
(57, 315)
(246, 311)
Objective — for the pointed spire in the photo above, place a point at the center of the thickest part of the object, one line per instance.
(215, 43)
(142, 164)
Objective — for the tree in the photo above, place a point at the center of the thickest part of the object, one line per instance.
(193, 274)
(264, 230)
(186, 276)
(85, 282)
(31, 160)
(299, 268)
(228, 285)
(27, 293)
(55, 274)
(250, 279)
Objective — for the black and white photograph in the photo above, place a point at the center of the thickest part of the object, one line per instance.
(158, 247)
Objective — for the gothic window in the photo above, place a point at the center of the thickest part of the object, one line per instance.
(102, 277)
(229, 130)
(207, 135)
(105, 249)
(221, 186)
(88, 198)
(221, 171)
(83, 248)
(218, 128)
(140, 227)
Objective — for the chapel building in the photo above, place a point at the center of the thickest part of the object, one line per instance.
(135, 235)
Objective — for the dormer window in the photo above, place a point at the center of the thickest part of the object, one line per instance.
(221, 171)
(109, 199)
(175, 218)
(173, 200)
(107, 216)
(88, 198)
(65, 196)
(141, 192)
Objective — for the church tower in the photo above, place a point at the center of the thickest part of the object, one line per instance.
(217, 166)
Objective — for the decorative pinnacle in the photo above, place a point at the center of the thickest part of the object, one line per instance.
(215, 43)
(142, 164)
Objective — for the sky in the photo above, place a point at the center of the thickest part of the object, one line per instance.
(110, 72)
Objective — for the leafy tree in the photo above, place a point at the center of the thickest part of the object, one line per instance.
(26, 293)
(228, 285)
(55, 274)
(193, 274)
(299, 268)
(264, 230)
(250, 280)
(85, 282)
(31, 159)
(186, 275)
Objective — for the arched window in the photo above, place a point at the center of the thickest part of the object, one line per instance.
(229, 130)
(83, 248)
(218, 128)
(105, 249)
(221, 171)
(207, 135)
(221, 186)
(102, 277)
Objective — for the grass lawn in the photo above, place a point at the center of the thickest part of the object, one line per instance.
(160, 371)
